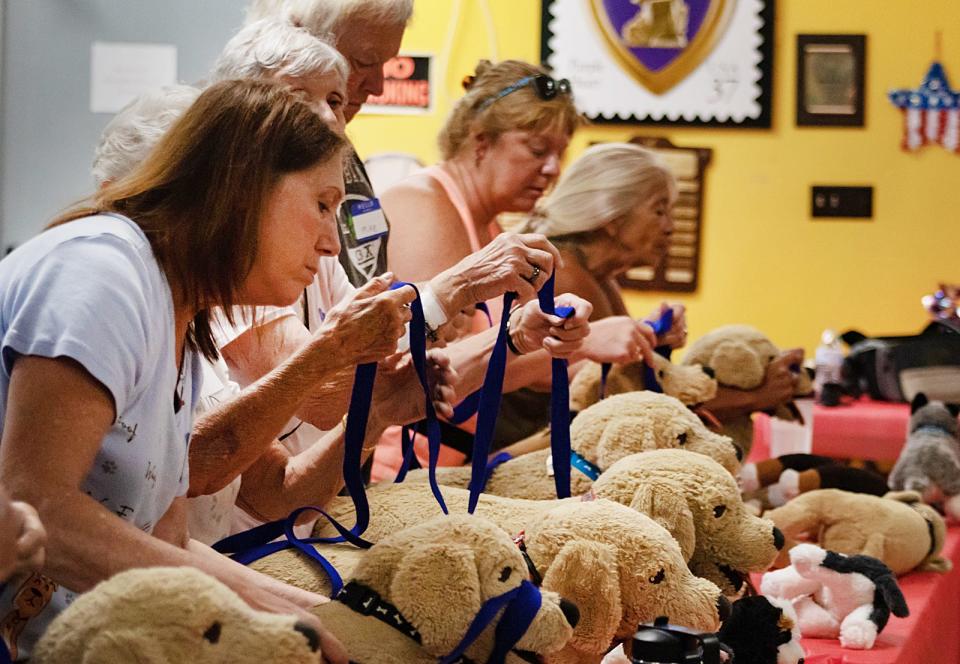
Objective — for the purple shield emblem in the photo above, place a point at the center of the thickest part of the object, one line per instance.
(661, 41)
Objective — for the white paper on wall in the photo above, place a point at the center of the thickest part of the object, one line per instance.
(119, 71)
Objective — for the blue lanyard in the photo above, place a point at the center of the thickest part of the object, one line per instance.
(257, 542)
(4, 653)
(650, 382)
(522, 604)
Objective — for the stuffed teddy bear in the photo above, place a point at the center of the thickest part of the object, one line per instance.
(690, 384)
(617, 565)
(171, 615)
(929, 463)
(763, 630)
(772, 482)
(898, 529)
(413, 596)
(698, 502)
(602, 434)
(738, 355)
(835, 595)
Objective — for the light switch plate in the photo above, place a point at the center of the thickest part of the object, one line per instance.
(843, 202)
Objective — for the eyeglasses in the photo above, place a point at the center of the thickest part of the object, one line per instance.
(547, 88)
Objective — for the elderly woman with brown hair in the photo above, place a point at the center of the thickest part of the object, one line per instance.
(107, 313)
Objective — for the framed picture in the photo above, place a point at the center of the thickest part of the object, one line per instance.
(830, 80)
(664, 62)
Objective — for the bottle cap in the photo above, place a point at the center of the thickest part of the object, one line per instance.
(651, 644)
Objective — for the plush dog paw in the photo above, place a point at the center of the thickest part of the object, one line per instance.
(952, 507)
(806, 557)
(858, 635)
(789, 484)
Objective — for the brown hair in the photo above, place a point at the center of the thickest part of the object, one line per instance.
(199, 194)
(522, 109)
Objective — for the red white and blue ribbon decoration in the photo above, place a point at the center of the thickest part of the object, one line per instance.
(931, 113)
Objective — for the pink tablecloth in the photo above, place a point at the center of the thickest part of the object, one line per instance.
(928, 636)
(864, 429)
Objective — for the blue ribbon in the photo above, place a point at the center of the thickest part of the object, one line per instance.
(522, 604)
(650, 382)
(258, 542)
(585, 466)
(5, 657)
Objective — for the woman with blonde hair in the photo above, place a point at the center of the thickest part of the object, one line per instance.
(106, 314)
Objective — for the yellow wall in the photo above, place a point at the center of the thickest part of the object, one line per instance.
(764, 261)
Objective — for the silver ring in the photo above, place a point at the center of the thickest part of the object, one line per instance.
(536, 273)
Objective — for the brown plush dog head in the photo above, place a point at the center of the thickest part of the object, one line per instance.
(691, 384)
(621, 568)
(697, 501)
(165, 615)
(738, 355)
(635, 422)
(439, 573)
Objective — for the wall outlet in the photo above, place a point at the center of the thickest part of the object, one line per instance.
(848, 202)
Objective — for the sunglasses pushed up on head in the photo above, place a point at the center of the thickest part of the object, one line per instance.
(546, 87)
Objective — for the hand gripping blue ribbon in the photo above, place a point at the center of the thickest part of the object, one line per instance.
(650, 382)
(257, 542)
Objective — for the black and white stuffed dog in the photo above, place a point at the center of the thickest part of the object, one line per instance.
(850, 597)
(763, 630)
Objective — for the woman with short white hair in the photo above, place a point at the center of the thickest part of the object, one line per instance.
(274, 48)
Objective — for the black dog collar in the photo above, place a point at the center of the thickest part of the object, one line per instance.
(531, 568)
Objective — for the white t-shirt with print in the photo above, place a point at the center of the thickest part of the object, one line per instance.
(91, 290)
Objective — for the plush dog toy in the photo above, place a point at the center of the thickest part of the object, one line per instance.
(414, 595)
(690, 384)
(897, 529)
(698, 502)
(601, 435)
(835, 595)
(617, 565)
(763, 630)
(929, 463)
(171, 615)
(738, 355)
(775, 481)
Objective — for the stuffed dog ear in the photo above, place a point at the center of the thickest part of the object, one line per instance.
(437, 588)
(919, 401)
(737, 365)
(621, 436)
(953, 408)
(667, 506)
(596, 595)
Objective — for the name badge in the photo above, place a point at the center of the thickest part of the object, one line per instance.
(367, 220)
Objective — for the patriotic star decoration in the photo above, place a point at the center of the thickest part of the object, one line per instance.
(931, 113)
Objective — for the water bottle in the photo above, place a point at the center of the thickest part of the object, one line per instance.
(828, 361)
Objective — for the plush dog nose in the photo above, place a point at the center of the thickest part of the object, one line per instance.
(313, 639)
(723, 608)
(778, 540)
(710, 372)
(738, 451)
(570, 612)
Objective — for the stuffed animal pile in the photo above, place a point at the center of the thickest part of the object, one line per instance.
(772, 482)
(850, 597)
(602, 434)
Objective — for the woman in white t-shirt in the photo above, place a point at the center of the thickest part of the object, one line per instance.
(104, 319)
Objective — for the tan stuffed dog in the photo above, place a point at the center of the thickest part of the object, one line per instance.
(616, 564)
(433, 578)
(898, 529)
(171, 615)
(603, 434)
(698, 502)
(690, 384)
(738, 355)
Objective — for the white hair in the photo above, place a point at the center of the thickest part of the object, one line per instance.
(604, 184)
(275, 47)
(322, 17)
(137, 128)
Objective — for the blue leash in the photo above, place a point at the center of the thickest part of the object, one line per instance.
(258, 542)
(4, 653)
